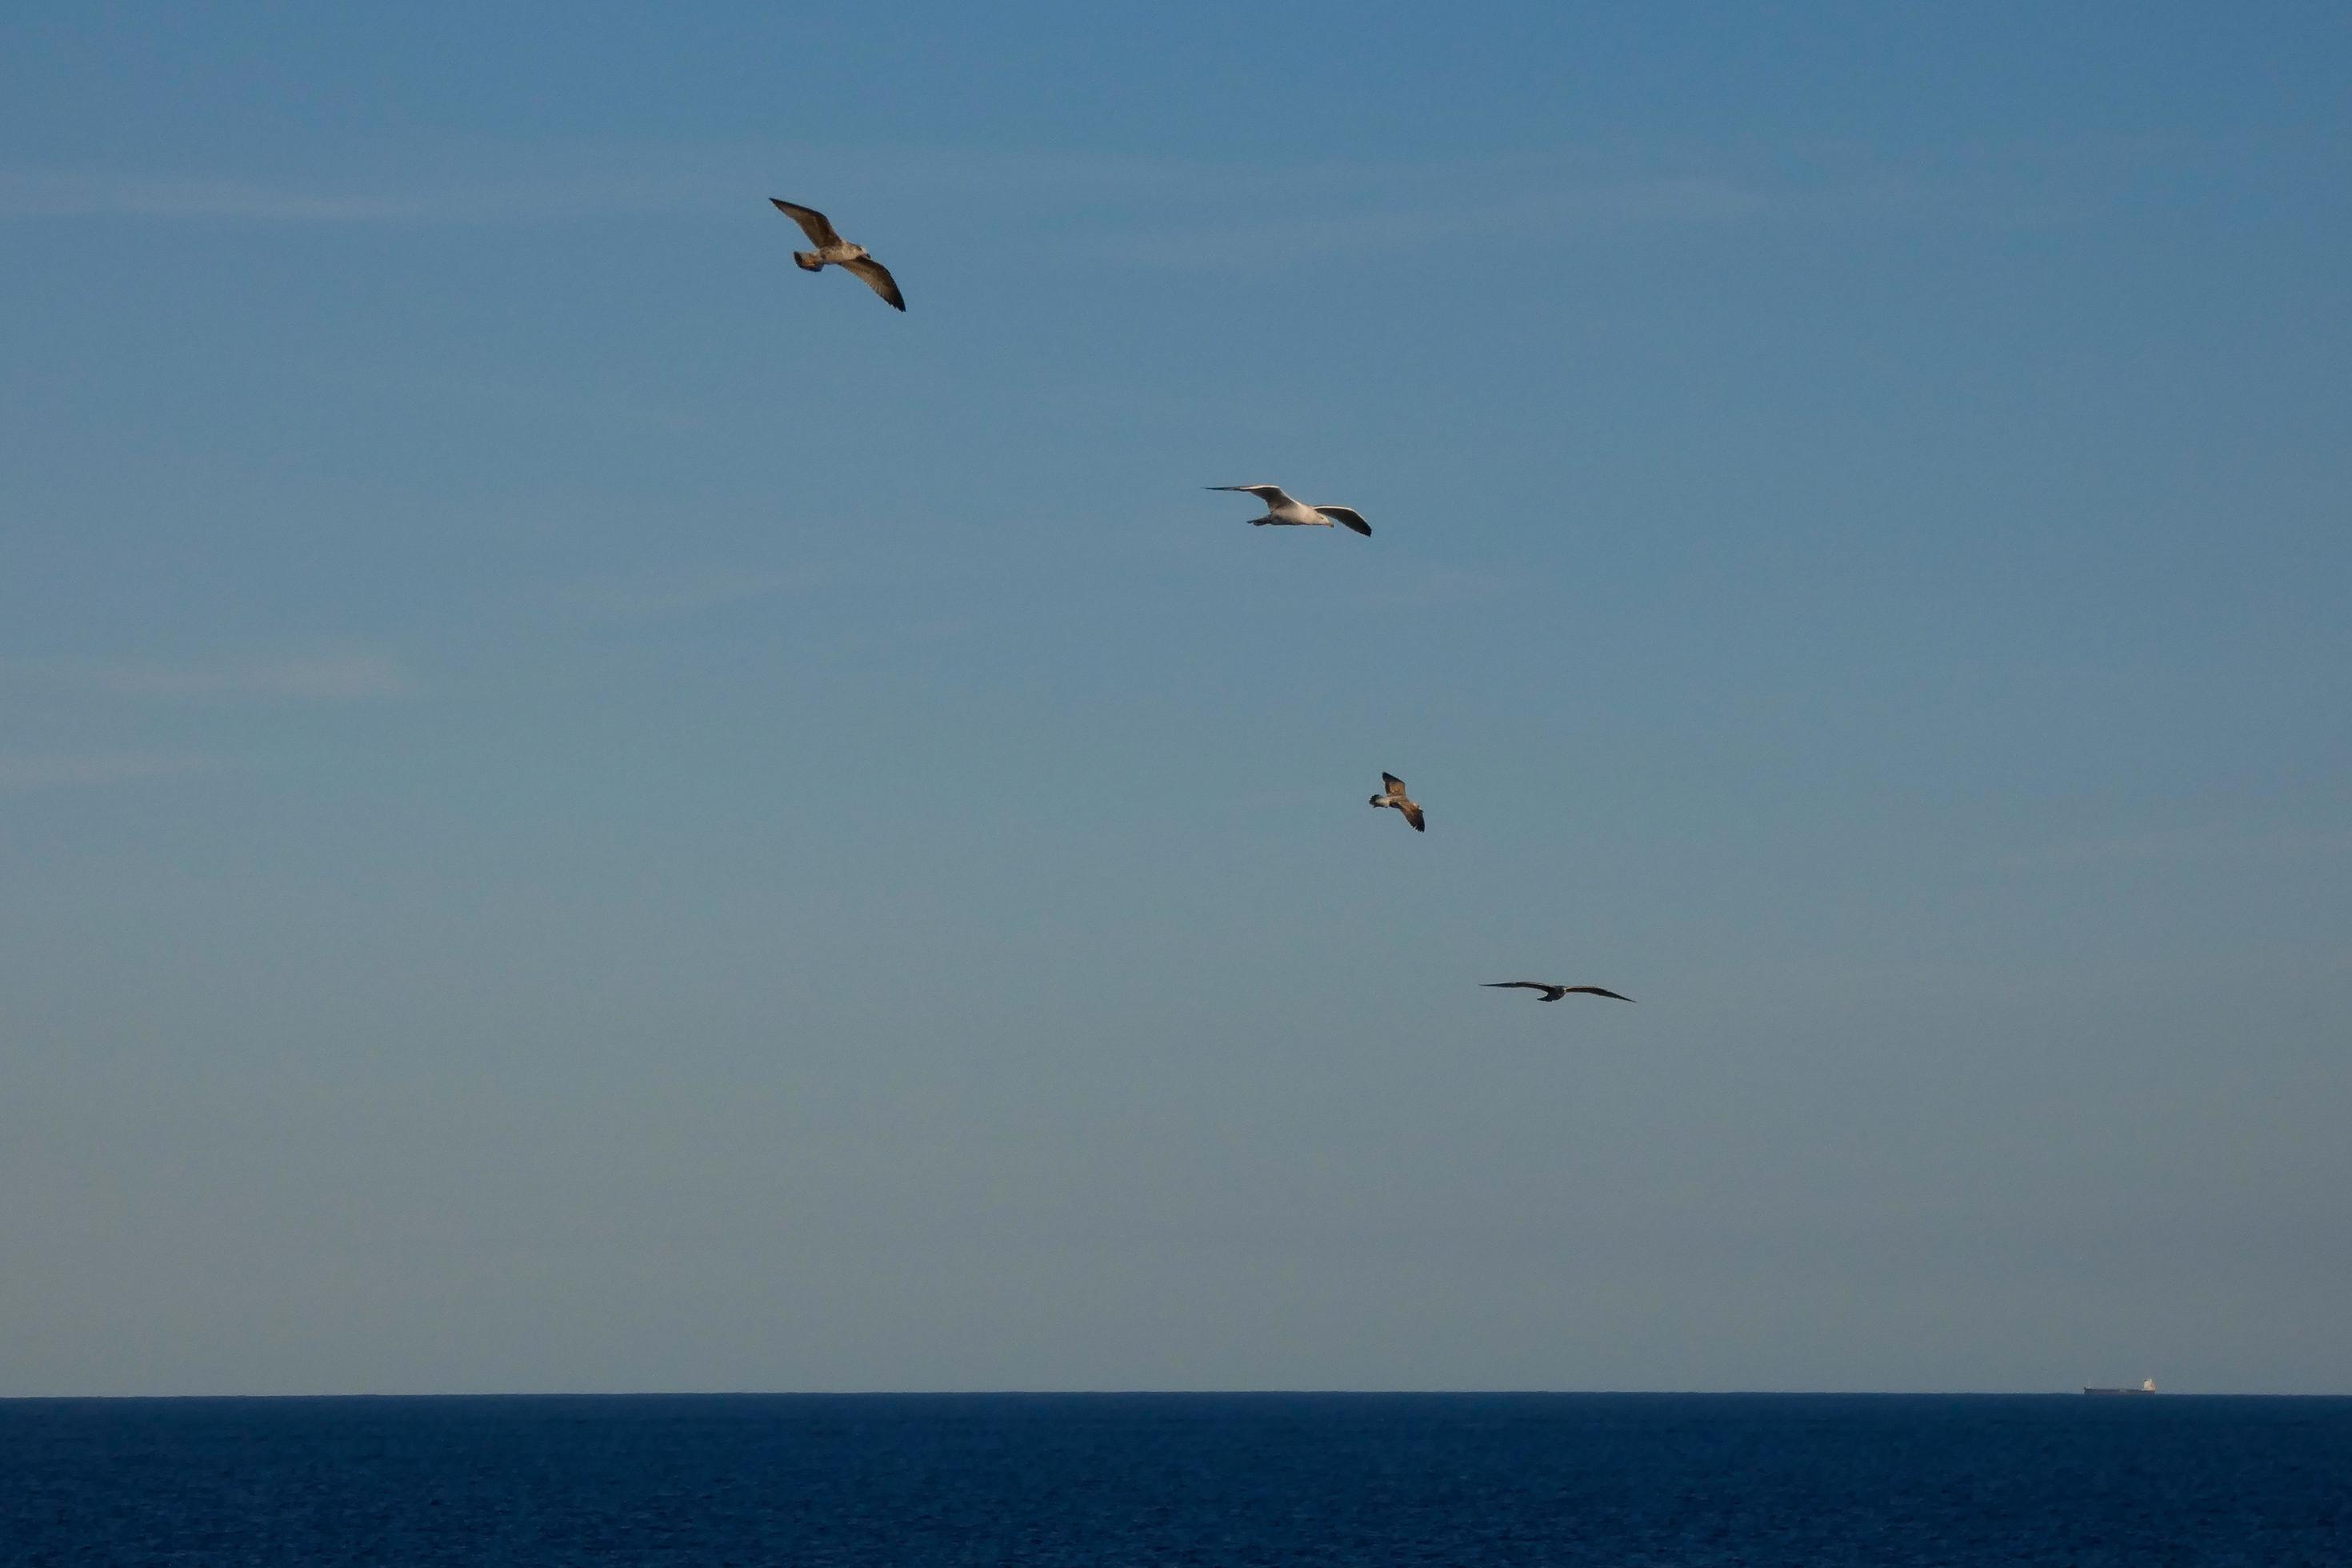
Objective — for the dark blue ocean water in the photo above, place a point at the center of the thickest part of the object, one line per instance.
(1461, 1479)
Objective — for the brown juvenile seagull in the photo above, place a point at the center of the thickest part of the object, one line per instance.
(832, 248)
(1395, 795)
(1552, 993)
(1281, 512)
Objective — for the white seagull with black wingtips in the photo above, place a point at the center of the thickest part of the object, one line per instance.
(1281, 512)
(833, 249)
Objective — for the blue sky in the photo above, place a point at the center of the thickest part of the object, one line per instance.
(580, 809)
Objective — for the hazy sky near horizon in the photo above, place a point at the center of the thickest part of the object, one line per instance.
(582, 810)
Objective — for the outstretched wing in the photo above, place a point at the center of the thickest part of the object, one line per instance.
(877, 278)
(1594, 991)
(1270, 494)
(814, 223)
(1396, 784)
(1412, 815)
(1517, 985)
(1348, 516)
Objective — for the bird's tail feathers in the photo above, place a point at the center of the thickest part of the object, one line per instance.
(808, 260)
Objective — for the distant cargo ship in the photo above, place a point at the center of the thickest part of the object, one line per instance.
(2147, 1385)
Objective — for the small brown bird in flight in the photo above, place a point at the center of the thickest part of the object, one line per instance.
(1395, 795)
(1552, 993)
(832, 248)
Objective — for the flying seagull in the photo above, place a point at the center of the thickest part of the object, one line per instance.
(832, 248)
(1552, 993)
(1395, 795)
(1283, 513)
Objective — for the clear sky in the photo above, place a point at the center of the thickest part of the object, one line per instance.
(580, 809)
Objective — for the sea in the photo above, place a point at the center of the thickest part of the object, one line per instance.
(1465, 1480)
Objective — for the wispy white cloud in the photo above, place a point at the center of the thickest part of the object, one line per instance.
(1322, 227)
(58, 193)
(1623, 181)
(20, 774)
(1193, 211)
(2203, 842)
(1154, 210)
(582, 405)
(1450, 586)
(320, 677)
(667, 595)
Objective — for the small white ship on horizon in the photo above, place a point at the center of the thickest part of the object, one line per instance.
(2146, 1385)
